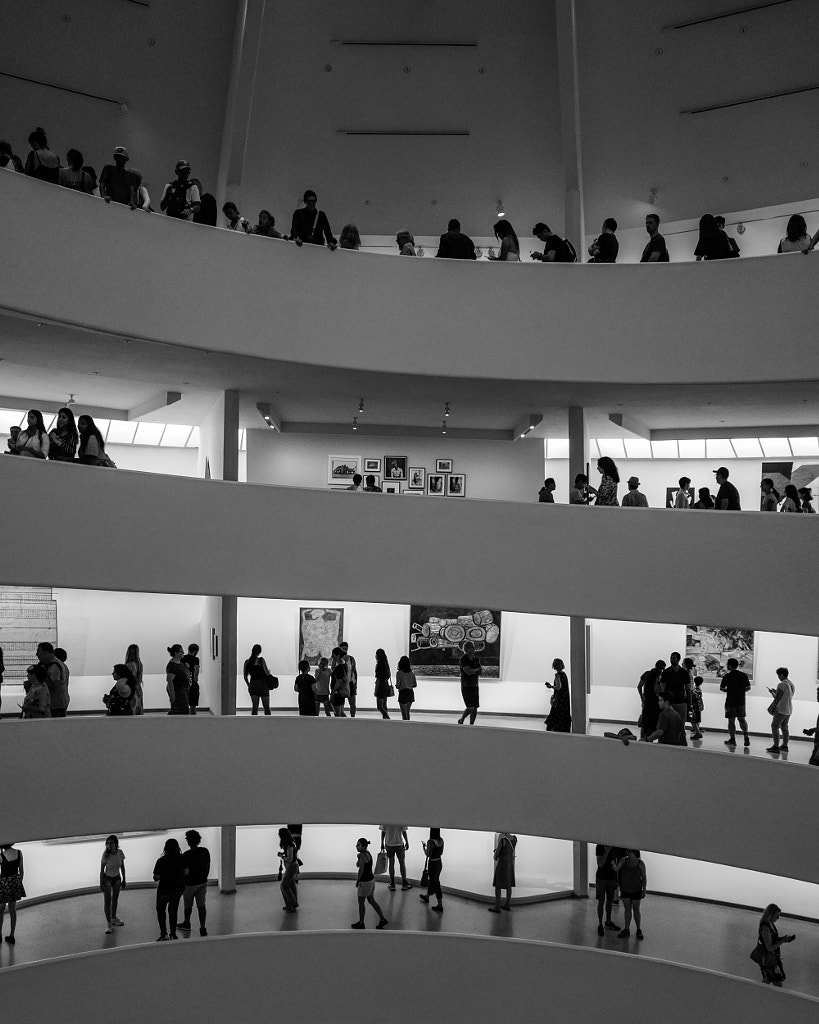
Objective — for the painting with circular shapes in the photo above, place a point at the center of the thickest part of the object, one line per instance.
(438, 634)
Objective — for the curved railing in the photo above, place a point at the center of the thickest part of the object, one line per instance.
(562, 786)
(367, 977)
(74, 259)
(153, 533)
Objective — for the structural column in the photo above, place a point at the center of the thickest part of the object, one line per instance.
(568, 78)
(578, 443)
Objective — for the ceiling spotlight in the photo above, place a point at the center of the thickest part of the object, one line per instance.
(446, 409)
(355, 422)
(268, 415)
(499, 210)
(443, 426)
(361, 405)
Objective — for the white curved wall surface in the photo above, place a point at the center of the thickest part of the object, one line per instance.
(401, 977)
(663, 323)
(566, 787)
(133, 531)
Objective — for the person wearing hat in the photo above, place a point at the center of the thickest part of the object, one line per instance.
(635, 497)
(181, 198)
(727, 499)
(120, 184)
(311, 225)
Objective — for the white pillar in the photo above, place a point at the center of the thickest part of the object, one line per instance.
(578, 648)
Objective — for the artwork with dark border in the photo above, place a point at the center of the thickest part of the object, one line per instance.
(437, 635)
(443, 465)
(320, 630)
(671, 495)
(456, 485)
(372, 466)
(342, 468)
(436, 485)
(417, 480)
(800, 474)
(395, 467)
(710, 647)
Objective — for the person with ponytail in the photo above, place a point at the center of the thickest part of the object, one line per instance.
(41, 163)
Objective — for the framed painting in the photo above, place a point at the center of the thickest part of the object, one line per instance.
(710, 647)
(395, 467)
(443, 465)
(392, 487)
(320, 630)
(456, 485)
(436, 485)
(437, 636)
(342, 468)
(372, 466)
(417, 479)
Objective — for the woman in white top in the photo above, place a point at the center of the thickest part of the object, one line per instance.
(33, 442)
(791, 502)
(797, 238)
(784, 709)
(405, 243)
(509, 251)
(92, 445)
(112, 879)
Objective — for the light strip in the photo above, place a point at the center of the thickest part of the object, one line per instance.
(798, 447)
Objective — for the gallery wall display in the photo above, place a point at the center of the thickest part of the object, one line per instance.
(437, 636)
(342, 468)
(710, 647)
(372, 466)
(443, 465)
(436, 485)
(456, 485)
(395, 467)
(320, 630)
(28, 616)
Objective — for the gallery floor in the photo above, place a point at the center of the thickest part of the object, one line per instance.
(682, 931)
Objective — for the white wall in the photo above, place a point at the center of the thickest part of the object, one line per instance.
(494, 469)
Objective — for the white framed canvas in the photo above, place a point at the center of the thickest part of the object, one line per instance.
(342, 468)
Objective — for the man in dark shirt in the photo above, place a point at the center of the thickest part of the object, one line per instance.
(196, 861)
(192, 661)
(735, 685)
(555, 249)
(676, 684)
(605, 883)
(546, 493)
(454, 245)
(605, 247)
(470, 675)
(732, 242)
(311, 225)
(670, 727)
(727, 499)
(118, 184)
(647, 689)
(352, 675)
(655, 250)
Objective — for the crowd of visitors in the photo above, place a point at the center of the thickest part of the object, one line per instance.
(726, 499)
(184, 198)
(69, 440)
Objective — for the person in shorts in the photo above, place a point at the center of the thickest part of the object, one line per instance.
(365, 886)
(605, 883)
(632, 876)
(735, 685)
(196, 860)
(395, 843)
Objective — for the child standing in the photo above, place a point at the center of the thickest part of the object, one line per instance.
(697, 708)
(321, 688)
(304, 688)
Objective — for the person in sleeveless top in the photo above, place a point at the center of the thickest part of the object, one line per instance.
(365, 886)
(41, 163)
(509, 251)
(434, 850)
(767, 951)
(134, 662)
(178, 681)
(11, 886)
(255, 674)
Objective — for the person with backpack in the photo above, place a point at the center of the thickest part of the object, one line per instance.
(182, 196)
(555, 248)
(311, 225)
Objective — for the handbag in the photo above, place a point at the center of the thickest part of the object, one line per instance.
(425, 873)
(391, 691)
(773, 706)
(272, 681)
(757, 954)
(381, 863)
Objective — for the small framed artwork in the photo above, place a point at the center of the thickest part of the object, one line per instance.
(392, 486)
(436, 485)
(443, 465)
(455, 485)
(342, 468)
(395, 467)
(372, 466)
(417, 479)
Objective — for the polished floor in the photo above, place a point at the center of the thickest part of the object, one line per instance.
(681, 931)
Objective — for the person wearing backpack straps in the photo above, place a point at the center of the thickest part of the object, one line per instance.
(555, 248)
(181, 198)
(311, 225)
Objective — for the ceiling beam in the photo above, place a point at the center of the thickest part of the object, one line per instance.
(161, 401)
(44, 405)
(631, 424)
(702, 433)
(393, 430)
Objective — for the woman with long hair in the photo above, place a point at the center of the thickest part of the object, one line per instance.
(560, 715)
(434, 850)
(63, 437)
(509, 251)
(289, 857)
(349, 237)
(122, 696)
(806, 499)
(92, 444)
(713, 244)
(75, 175)
(33, 442)
(11, 886)
(112, 879)
(382, 682)
(607, 491)
(178, 681)
(405, 683)
(767, 952)
(769, 501)
(169, 873)
(796, 237)
(255, 673)
(41, 163)
(791, 501)
(134, 663)
(405, 242)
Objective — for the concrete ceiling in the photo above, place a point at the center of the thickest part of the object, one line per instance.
(46, 363)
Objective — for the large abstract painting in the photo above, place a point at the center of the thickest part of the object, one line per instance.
(28, 616)
(320, 630)
(437, 637)
(800, 474)
(712, 646)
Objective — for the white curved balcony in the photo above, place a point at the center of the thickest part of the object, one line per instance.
(144, 532)
(367, 977)
(73, 259)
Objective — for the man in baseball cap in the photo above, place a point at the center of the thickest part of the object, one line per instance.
(727, 499)
(119, 184)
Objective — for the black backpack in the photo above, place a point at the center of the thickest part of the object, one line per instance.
(178, 201)
(569, 254)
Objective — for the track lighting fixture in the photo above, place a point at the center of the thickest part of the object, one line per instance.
(355, 422)
(361, 405)
(443, 426)
(446, 410)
